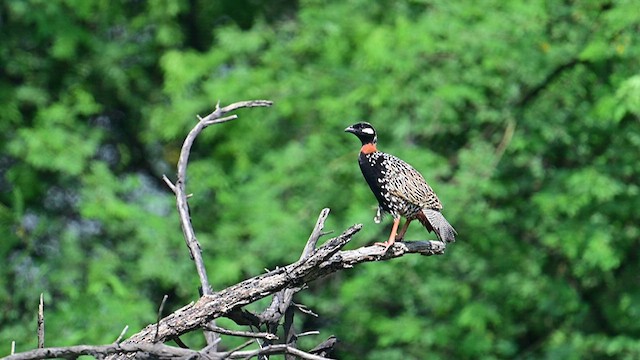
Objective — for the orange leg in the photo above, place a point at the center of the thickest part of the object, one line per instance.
(392, 236)
(403, 231)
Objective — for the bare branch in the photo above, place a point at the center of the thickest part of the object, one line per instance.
(323, 261)
(243, 317)
(228, 354)
(279, 304)
(347, 259)
(181, 343)
(160, 309)
(158, 351)
(181, 198)
(308, 333)
(169, 183)
(218, 121)
(41, 322)
(245, 104)
(208, 350)
(315, 234)
(124, 331)
(208, 307)
(249, 334)
(281, 301)
(304, 309)
(289, 331)
(179, 187)
(276, 349)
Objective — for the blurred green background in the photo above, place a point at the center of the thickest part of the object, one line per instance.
(523, 115)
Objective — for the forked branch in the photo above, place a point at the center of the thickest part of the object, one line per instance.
(325, 260)
(195, 250)
(217, 116)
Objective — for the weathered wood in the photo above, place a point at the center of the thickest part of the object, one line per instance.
(323, 261)
(208, 307)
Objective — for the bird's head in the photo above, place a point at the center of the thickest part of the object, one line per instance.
(364, 131)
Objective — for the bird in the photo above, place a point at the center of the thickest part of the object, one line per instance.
(400, 190)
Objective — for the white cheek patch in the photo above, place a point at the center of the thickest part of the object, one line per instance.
(368, 131)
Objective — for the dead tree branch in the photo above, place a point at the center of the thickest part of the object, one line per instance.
(195, 250)
(155, 351)
(124, 331)
(247, 334)
(273, 350)
(323, 261)
(142, 351)
(196, 315)
(179, 188)
(41, 322)
(282, 300)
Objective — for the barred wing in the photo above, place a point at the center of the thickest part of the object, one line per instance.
(403, 181)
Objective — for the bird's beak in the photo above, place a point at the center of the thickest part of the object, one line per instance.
(350, 130)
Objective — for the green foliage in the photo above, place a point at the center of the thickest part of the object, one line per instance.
(523, 115)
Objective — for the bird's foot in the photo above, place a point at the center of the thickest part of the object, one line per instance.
(387, 244)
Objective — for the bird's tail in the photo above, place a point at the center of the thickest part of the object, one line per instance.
(440, 225)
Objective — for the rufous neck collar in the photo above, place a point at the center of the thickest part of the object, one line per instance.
(368, 148)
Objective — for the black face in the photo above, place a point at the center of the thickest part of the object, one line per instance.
(364, 131)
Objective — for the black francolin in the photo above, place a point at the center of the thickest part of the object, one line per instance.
(400, 189)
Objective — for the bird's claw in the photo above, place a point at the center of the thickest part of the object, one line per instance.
(386, 245)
